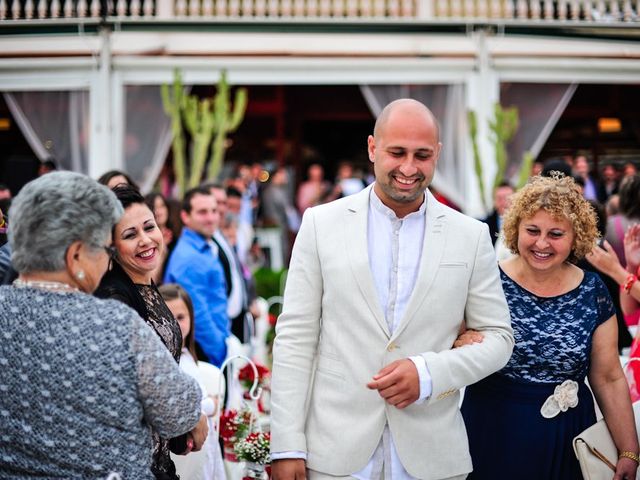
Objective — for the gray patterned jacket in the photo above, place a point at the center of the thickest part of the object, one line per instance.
(81, 382)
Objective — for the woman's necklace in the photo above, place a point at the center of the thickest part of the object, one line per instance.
(44, 285)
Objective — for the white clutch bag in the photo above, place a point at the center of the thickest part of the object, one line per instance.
(596, 452)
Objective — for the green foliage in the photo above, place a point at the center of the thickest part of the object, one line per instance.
(268, 282)
(206, 120)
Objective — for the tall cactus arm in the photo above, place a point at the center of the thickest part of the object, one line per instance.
(525, 169)
(190, 114)
(172, 101)
(503, 128)
(239, 109)
(226, 122)
(477, 161)
(201, 140)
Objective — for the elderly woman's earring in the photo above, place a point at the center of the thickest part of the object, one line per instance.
(80, 275)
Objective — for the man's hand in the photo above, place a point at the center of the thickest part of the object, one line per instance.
(398, 383)
(288, 469)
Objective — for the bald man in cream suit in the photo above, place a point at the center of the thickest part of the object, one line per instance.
(365, 380)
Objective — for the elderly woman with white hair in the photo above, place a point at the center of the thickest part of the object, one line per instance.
(83, 380)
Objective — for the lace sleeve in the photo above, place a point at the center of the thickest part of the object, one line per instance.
(606, 309)
(170, 399)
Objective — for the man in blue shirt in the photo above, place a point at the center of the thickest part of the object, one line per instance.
(194, 264)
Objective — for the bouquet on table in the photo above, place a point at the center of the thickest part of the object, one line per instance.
(255, 450)
(234, 426)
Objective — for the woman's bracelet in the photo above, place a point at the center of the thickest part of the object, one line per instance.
(631, 455)
(628, 284)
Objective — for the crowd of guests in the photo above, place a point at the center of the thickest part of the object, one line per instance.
(127, 292)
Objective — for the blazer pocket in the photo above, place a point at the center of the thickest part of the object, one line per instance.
(453, 265)
(330, 366)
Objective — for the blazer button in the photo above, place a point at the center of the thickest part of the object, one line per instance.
(392, 346)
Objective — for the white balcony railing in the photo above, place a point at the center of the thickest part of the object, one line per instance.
(609, 11)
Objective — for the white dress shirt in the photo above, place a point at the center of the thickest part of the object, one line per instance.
(395, 250)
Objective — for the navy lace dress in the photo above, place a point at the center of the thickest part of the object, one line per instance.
(508, 436)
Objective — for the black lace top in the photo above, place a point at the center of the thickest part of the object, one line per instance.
(161, 319)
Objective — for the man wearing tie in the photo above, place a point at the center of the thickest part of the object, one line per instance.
(365, 380)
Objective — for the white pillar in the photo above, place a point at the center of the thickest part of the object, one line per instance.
(100, 151)
(483, 91)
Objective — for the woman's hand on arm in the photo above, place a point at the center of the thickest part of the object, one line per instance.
(197, 436)
(468, 337)
(612, 394)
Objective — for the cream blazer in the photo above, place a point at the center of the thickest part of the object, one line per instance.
(332, 338)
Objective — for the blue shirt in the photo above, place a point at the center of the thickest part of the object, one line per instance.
(196, 268)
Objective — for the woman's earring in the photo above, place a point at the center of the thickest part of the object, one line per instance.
(80, 275)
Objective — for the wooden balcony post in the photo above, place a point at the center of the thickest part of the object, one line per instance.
(425, 9)
(164, 8)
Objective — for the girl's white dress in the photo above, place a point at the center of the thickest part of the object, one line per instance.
(206, 464)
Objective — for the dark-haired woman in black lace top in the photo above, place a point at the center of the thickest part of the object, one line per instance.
(138, 252)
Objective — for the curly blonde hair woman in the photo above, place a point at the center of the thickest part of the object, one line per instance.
(561, 198)
(521, 420)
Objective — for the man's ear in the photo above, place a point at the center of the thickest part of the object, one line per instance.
(438, 151)
(184, 217)
(371, 148)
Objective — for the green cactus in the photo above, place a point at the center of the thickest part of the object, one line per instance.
(202, 118)
(503, 127)
(224, 122)
(173, 100)
(199, 121)
(477, 162)
(525, 169)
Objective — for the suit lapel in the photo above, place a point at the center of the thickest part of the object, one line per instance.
(356, 220)
(432, 250)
